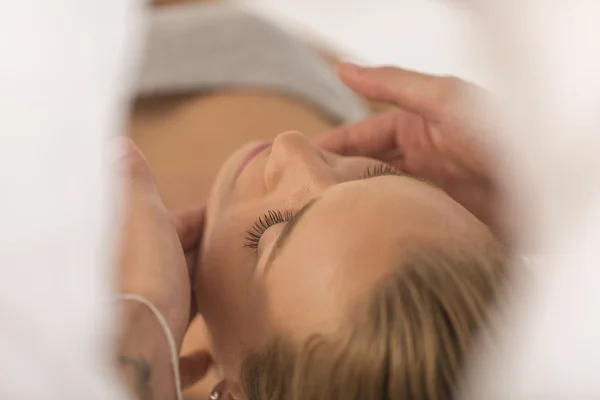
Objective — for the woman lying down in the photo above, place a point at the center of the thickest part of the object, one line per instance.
(321, 276)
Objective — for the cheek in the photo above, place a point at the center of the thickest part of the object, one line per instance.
(227, 295)
(223, 269)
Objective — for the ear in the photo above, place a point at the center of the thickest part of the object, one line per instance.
(235, 392)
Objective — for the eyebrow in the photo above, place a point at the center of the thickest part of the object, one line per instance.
(289, 227)
(287, 232)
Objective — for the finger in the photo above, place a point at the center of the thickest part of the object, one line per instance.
(421, 93)
(190, 227)
(193, 367)
(138, 179)
(134, 165)
(369, 138)
(193, 305)
(191, 259)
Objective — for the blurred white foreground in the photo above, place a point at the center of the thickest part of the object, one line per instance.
(63, 87)
(546, 60)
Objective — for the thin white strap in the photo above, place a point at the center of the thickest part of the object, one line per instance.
(166, 330)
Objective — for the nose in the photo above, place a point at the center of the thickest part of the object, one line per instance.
(296, 164)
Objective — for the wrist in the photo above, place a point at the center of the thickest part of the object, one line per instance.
(143, 354)
(175, 313)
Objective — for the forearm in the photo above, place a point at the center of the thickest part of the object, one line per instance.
(143, 355)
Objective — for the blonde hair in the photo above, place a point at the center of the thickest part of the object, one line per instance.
(407, 341)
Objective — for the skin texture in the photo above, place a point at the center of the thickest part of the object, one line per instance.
(430, 134)
(186, 139)
(352, 235)
(427, 131)
(152, 264)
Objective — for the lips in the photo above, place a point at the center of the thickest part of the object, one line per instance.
(251, 155)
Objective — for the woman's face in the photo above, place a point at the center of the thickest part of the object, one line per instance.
(294, 234)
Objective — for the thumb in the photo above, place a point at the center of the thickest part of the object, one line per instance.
(413, 91)
(370, 138)
(190, 229)
(193, 367)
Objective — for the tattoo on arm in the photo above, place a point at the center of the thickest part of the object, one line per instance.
(141, 373)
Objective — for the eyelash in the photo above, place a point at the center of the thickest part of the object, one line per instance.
(264, 222)
(380, 170)
(274, 217)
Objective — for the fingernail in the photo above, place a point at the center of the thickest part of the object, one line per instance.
(120, 147)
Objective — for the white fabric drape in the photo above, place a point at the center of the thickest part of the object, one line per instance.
(64, 79)
(547, 60)
(65, 68)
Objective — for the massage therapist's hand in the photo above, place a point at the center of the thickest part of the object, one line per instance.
(152, 264)
(154, 241)
(428, 134)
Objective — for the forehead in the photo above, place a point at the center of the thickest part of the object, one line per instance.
(347, 241)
